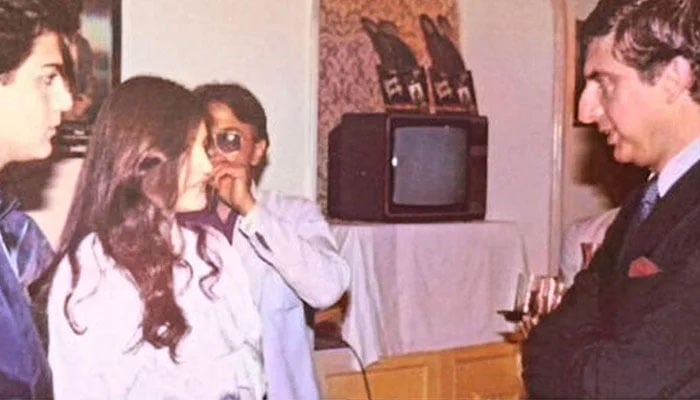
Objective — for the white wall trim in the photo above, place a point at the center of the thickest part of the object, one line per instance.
(561, 22)
(312, 61)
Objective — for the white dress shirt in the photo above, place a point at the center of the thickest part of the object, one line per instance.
(219, 358)
(678, 166)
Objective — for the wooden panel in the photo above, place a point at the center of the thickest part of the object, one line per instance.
(488, 371)
(406, 377)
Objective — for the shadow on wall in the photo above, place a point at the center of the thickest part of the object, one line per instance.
(27, 181)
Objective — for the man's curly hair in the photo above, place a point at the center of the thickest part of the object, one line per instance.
(648, 34)
(21, 22)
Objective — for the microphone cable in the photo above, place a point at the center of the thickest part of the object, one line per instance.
(365, 378)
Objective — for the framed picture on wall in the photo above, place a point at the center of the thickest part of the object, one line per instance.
(92, 60)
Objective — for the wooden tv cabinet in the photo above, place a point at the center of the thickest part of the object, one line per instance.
(489, 371)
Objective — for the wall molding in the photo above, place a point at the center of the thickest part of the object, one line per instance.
(561, 117)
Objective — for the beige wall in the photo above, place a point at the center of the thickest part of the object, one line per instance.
(510, 50)
(271, 47)
(268, 45)
(265, 44)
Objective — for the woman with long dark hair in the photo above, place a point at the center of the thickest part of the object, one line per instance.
(138, 309)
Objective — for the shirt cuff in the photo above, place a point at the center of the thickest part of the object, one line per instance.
(249, 223)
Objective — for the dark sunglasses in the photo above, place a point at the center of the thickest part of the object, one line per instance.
(226, 142)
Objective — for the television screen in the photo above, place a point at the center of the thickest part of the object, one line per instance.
(408, 167)
(429, 165)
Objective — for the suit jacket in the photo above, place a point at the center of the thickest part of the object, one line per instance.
(615, 336)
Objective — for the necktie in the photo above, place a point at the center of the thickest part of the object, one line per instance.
(646, 205)
(644, 209)
(651, 196)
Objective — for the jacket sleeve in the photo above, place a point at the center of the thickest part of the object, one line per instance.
(648, 348)
(652, 350)
(293, 237)
(10, 388)
(33, 251)
(551, 345)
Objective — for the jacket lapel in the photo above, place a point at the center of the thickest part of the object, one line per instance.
(682, 199)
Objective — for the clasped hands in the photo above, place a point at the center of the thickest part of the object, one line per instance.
(233, 183)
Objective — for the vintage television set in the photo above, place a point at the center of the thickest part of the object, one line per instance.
(407, 167)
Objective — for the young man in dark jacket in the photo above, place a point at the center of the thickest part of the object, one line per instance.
(33, 94)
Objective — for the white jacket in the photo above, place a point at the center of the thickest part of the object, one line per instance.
(286, 246)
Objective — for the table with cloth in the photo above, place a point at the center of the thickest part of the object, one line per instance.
(428, 286)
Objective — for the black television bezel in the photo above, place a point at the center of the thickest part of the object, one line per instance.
(359, 169)
(442, 212)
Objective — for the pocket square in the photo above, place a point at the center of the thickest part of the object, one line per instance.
(641, 267)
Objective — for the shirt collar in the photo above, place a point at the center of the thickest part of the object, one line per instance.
(209, 217)
(678, 166)
(7, 204)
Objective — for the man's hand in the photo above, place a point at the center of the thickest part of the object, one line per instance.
(526, 324)
(233, 184)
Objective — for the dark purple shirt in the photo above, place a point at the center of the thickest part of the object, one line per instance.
(209, 217)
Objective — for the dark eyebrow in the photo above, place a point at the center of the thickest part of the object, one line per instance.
(228, 129)
(58, 66)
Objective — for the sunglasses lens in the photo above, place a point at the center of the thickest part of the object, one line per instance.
(227, 142)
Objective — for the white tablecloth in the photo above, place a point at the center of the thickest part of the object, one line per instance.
(428, 286)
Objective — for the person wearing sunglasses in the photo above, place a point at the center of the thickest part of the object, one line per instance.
(284, 242)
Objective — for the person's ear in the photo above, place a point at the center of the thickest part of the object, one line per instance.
(677, 78)
(258, 152)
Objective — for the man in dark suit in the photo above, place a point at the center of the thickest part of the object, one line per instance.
(630, 325)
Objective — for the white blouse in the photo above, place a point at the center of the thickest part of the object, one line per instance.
(219, 358)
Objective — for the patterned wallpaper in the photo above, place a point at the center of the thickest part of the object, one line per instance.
(347, 72)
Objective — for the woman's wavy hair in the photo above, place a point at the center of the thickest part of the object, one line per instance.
(126, 194)
(648, 34)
